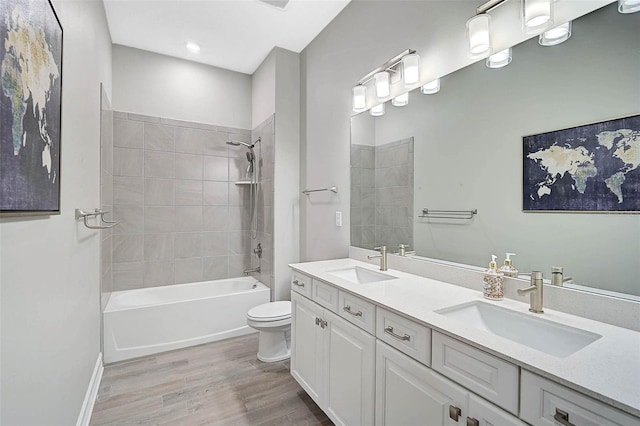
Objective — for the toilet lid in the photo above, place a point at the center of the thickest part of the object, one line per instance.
(271, 311)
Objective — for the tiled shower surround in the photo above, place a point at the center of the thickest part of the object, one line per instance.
(382, 194)
(182, 217)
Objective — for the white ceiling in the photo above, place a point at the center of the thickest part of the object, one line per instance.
(233, 34)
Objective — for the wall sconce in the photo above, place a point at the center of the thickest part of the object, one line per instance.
(401, 100)
(359, 98)
(500, 59)
(536, 15)
(406, 63)
(431, 87)
(628, 6)
(555, 35)
(479, 36)
(377, 110)
(411, 69)
(382, 84)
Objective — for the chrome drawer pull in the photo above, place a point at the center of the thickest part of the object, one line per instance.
(562, 417)
(298, 283)
(454, 413)
(389, 331)
(348, 310)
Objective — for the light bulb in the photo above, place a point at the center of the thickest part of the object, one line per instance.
(382, 84)
(500, 59)
(431, 87)
(359, 98)
(410, 68)
(400, 100)
(536, 15)
(479, 36)
(555, 35)
(377, 110)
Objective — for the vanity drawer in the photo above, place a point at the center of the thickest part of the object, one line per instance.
(491, 377)
(325, 295)
(542, 400)
(357, 311)
(301, 283)
(405, 335)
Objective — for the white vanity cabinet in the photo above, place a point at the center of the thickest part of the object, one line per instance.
(334, 361)
(543, 402)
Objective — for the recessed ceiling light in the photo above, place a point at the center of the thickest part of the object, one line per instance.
(193, 48)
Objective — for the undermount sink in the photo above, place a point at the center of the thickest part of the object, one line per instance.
(537, 333)
(359, 275)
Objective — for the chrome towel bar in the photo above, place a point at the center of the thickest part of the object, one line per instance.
(333, 189)
(104, 224)
(448, 214)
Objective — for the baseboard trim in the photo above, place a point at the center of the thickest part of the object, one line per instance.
(92, 394)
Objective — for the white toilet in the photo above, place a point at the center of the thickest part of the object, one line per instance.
(273, 321)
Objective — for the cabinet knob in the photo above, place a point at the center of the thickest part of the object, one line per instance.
(562, 417)
(454, 413)
(472, 422)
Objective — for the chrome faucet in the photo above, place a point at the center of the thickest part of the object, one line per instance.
(535, 292)
(250, 270)
(402, 250)
(557, 277)
(382, 256)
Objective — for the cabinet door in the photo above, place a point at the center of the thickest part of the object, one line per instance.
(307, 346)
(408, 393)
(483, 413)
(350, 363)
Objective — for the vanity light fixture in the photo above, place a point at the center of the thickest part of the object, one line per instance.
(405, 64)
(377, 110)
(401, 100)
(479, 36)
(382, 84)
(499, 59)
(193, 47)
(555, 35)
(431, 87)
(411, 69)
(359, 98)
(536, 15)
(628, 6)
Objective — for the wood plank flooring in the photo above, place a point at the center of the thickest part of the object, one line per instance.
(220, 383)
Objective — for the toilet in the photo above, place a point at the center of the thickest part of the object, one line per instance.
(273, 321)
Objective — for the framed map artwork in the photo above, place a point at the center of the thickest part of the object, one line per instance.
(30, 107)
(590, 168)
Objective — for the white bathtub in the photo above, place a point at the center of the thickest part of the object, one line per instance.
(151, 320)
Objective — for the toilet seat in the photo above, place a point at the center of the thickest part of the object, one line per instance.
(270, 312)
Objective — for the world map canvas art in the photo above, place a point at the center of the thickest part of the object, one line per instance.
(590, 168)
(30, 108)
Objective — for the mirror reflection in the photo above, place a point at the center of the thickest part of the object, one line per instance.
(468, 155)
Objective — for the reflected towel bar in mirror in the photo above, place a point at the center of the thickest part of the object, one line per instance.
(333, 189)
(448, 214)
(104, 224)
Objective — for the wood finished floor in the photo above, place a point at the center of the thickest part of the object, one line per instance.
(220, 383)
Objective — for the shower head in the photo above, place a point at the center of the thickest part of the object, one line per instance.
(238, 143)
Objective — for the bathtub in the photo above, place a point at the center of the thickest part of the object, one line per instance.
(151, 320)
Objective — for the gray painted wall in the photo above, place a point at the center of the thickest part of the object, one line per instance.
(158, 85)
(50, 265)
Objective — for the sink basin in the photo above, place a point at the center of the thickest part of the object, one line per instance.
(360, 275)
(535, 332)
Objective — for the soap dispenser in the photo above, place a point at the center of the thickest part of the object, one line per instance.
(508, 269)
(493, 287)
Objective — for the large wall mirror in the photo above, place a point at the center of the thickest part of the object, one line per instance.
(466, 147)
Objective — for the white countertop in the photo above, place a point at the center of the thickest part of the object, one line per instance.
(607, 369)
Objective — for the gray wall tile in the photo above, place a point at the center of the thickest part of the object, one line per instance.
(159, 137)
(128, 248)
(129, 217)
(215, 218)
(127, 134)
(158, 246)
(159, 219)
(216, 193)
(237, 265)
(240, 242)
(159, 192)
(159, 164)
(215, 268)
(189, 166)
(158, 273)
(188, 218)
(187, 244)
(127, 162)
(216, 168)
(216, 144)
(188, 270)
(215, 243)
(188, 193)
(127, 190)
(128, 276)
(190, 141)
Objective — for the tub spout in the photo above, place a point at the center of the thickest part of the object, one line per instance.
(250, 270)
